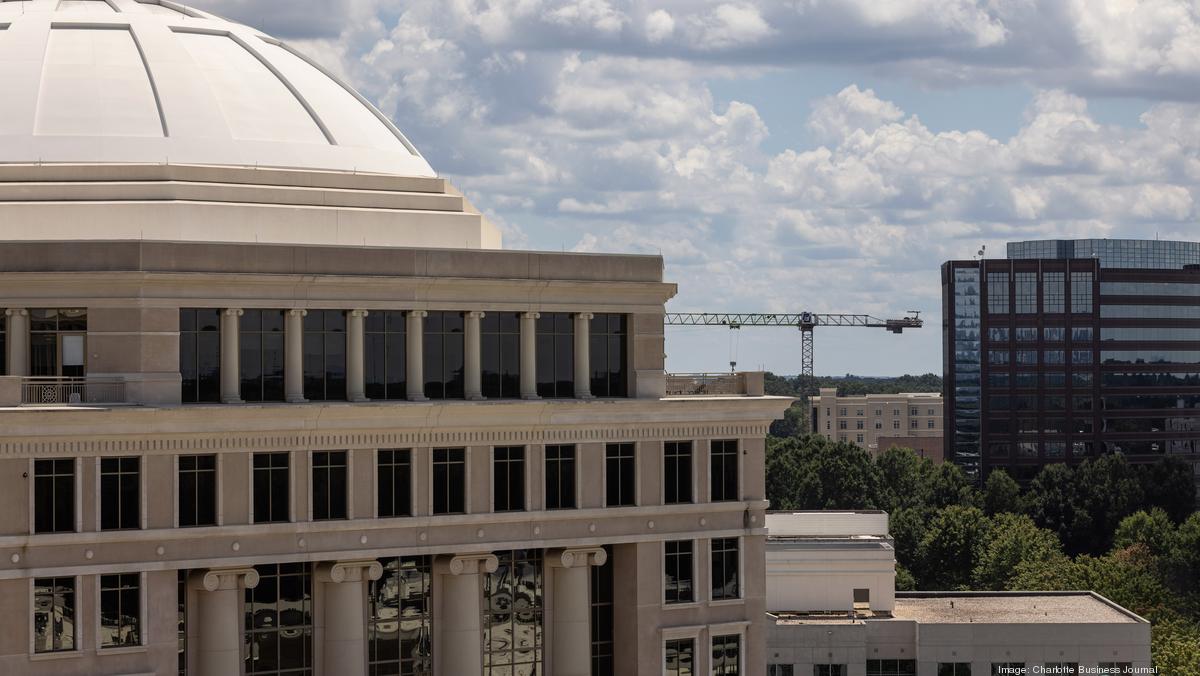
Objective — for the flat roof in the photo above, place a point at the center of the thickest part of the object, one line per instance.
(1010, 608)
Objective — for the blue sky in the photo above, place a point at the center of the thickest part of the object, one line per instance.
(786, 155)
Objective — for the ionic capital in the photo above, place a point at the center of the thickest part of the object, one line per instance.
(476, 314)
(215, 579)
(296, 312)
(419, 314)
(531, 315)
(359, 313)
(585, 316)
(359, 570)
(576, 557)
(16, 312)
(233, 312)
(470, 564)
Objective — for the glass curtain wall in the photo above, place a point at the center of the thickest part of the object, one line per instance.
(400, 620)
(966, 440)
(512, 615)
(279, 621)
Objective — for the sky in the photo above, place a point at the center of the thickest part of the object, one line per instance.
(786, 155)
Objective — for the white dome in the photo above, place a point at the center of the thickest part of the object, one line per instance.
(154, 82)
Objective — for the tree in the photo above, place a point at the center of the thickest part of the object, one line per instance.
(951, 547)
(1001, 494)
(1015, 539)
(1175, 645)
(905, 580)
(1169, 484)
(1153, 529)
(815, 473)
(1127, 576)
(1109, 489)
(949, 486)
(904, 479)
(793, 424)
(1052, 502)
(908, 526)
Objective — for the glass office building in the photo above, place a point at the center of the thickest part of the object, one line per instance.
(1069, 349)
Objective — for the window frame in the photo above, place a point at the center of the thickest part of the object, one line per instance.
(291, 516)
(695, 600)
(741, 578)
(412, 484)
(466, 480)
(637, 494)
(141, 474)
(525, 475)
(142, 645)
(575, 477)
(220, 501)
(77, 496)
(348, 488)
(76, 651)
(690, 483)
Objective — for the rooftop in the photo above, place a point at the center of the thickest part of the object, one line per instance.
(1010, 608)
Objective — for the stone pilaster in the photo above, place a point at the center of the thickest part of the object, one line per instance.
(356, 385)
(231, 382)
(569, 570)
(219, 613)
(293, 375)
(529, 355)
(416, 355)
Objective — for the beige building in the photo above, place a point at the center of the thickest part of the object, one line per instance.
(276, 402)
(865, 420)
(835, 612)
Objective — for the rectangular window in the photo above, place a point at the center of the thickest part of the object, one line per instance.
(272, 502)
(393, 474)
(449, 480)
(120, 610)
(1026, 292)
(1054, 287)
(929, 424)
(385, 355)
(677, 472)
(679, 572)
(54, 625)
(400, 618)
(997, 357)
(727, 655)
(1054, 334)
(329, 476)
(500, 360)
(560, 477)
(278, 623)
(997, 292)
(181, 594)
(512, 614)
(120, 494)
(680, 657)
(555, 355)
(602, 616)
(54, 496)
(325, 355)
(200, 355)
(1081, 292)
(781, 670)
(829, 670)
(954, 669)
(619, 475)
(260, 362)
(724, 569)
(443, 351)
(508, 479)
(57, 342)
(608, 355)
(197, 490)
(1082, 356)
(723, 473)
(891, 667)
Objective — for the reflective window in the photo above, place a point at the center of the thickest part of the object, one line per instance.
(1112, 333)
(608, 355)
(57, 342)
(1025, 284)
(679, 657)
(1150, 288)
(724, 569)
(443, 351)
(400, 617)
(197, 490)
(560, 477)
(829, 670)
(279, 622)
(54, 496)
(965, 443)
(1026, 357)
(998, 380)
(727, 655)
(1150, 356)
(500, 344)
(677, 472)
(394, 482)
(1080, 379)
(512, 615)
(998, 334)
(1150, 379)
(998, 298)
(999, 449)
(508, 479)
(449, 480)
(54, 622)
(120, 610)
(1054, 357)
(556, 355)
(200, 355)
(1081, 292)
(678, 585)
(1056, 449)
(998, 357)
(120, 493)
(272, 501)
(385, 354)
(1082, 333)
(602, 616)
(1053, 292)
(261, 359)
(1108, 311)
(954, 669)
(1027, 334)
(1054, 334)
(1082, 403)
(1082, 356)
(1055, 379)
(329, 476)
(619, 475)
(325, 355)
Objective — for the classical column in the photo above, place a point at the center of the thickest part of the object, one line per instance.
(571, 653)
(219, 615)
(18, 341)
(472, 357)
(460, 644)
(583, 368)
(529, 355)
(346, 614)
(416, 355)
(231, 376)
(356, 384)
(293, 374)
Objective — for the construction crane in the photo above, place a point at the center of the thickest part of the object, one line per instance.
(804, 321)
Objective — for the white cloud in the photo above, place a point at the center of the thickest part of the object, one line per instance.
(659, 26)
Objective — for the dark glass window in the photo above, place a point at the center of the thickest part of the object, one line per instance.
(727, 655)
(54, 614)
(829, 670)
(508, 479)
(679, 572)
(998, 300)
(120, 494)
(197, 490)
(260, 334)
(444, 365)
(272, 502)
(512, 614)
(200, 355)
(400, 620)
(891, 667)
(560, 477)
(677, 472)
(500, 342)
(329, 485)
(555, 355)
(609, 355)
(54, 496)
(1054, 292)
(120, 610)
(723, 470)
(680, 656)
(602, 616)
(954, 669)
(385, 354)
(620, 464)
(57, 342)
(449, 480)
(181, 577)
(787, 670)
(1081, 292)
(724, 569)
(325, 355)
(394, 478)
(279, 621)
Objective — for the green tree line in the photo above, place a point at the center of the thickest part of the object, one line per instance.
(1127, 531)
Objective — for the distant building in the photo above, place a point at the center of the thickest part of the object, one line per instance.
(1072, 348)
(865, 420)
(834, 611)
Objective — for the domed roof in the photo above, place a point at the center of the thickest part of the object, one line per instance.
(152, 81)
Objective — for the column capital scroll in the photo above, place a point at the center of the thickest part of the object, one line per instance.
(585, 316)
(421, 314)
(359, 570)
(531, 315)
(476, 314)
(233, 312)
(576, 557)
(360, 313)
(215, 579)
(16, 312)
(470, 564)
(297, 312)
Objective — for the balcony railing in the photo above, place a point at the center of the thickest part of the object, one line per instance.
(742, 383)
(50, 391)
